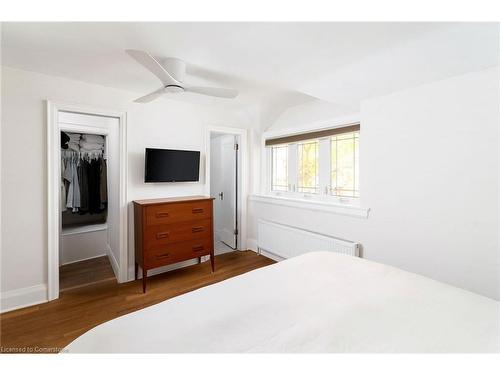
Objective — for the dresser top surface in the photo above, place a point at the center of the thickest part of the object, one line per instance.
(190, 198)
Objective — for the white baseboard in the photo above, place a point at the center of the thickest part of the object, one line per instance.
(114, 263)
(23, 297)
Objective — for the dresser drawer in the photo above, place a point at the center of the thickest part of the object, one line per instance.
(171, 233)
(160, 255)
(178, 212)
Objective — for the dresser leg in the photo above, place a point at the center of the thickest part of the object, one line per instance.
(144, 277)
(212, 261)
(136, 270)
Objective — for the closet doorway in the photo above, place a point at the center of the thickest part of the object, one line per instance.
(226, 179)
(86, 197)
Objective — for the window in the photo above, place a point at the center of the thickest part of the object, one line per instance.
(345, 165)
(279, 168)
(321, 165)
(308, 173)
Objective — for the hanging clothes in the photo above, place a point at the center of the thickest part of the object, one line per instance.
(84, 186)
(62, 195)
(71, 175)
(104, 183)
(83, 175)
(94, 186)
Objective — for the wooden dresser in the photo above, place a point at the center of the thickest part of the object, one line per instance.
(172, 230)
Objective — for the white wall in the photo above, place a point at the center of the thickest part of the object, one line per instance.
(83, 245)
(163, 123)
(429, 172)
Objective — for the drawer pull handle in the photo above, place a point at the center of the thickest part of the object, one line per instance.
(161, 256)
(161, 235)
(198, 248)
(161, 214)
(197, 210)
(197, 229)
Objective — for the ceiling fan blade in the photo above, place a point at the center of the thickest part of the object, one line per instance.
(150, 97)
(151, 64)
(213, 91)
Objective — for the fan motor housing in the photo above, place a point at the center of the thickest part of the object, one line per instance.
(173, 89)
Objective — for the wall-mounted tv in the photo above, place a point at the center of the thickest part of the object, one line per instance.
(164, 165)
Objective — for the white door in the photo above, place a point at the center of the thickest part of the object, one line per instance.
(223, 186)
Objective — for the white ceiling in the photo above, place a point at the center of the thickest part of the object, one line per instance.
(275, 65)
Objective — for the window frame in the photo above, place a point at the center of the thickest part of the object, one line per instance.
(324, 154)
(271, 167)
(297, 167)
(355, 159)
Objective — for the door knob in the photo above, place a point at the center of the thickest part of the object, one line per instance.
(221, 195)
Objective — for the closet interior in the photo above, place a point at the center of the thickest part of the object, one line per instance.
(84, 209)
(84, 175)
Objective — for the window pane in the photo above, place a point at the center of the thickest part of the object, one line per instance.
(345, 165)
(308, 178)
(279, 168)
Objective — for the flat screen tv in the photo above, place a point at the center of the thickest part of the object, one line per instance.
(171, 165)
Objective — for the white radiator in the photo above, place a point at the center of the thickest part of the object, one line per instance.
(286, 241)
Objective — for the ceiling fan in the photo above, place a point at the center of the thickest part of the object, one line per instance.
(171, 74)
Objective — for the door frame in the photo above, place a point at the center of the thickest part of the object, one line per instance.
(54, 180)
(243, 173)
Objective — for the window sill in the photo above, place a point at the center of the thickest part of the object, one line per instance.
(336, 208)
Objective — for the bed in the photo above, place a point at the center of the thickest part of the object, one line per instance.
(317, 302)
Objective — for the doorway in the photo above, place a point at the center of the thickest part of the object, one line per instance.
(226, 183)
(224, 188)
(86, 197)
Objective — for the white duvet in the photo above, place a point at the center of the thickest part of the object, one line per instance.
(318, 302)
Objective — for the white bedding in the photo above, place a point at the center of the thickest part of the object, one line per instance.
(318, 302)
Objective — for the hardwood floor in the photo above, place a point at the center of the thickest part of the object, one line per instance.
(85, 273)
(50, 326)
